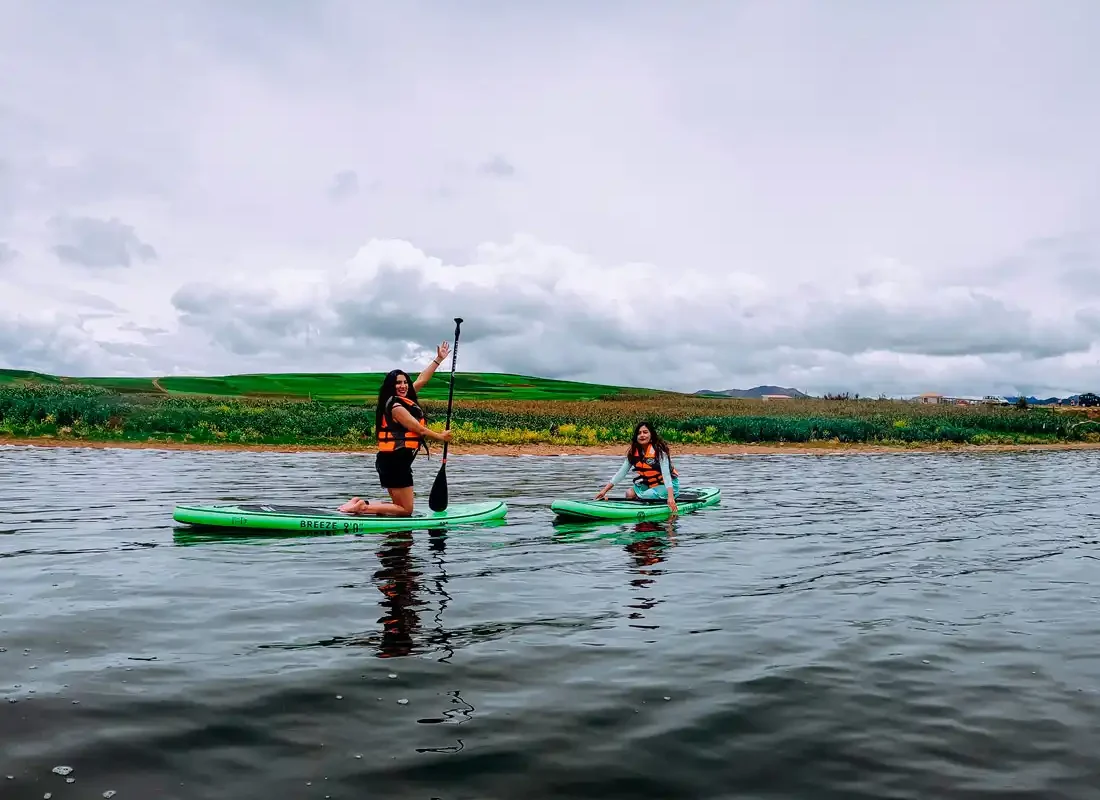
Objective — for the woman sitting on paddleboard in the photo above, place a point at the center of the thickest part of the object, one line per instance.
(648, 456)
(400, 430)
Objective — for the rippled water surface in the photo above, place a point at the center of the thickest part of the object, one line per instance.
(882, 626)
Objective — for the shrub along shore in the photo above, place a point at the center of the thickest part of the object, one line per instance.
(85, 414)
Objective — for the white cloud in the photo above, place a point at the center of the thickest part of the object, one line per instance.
(891, 199)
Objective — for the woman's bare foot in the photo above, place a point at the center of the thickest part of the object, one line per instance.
(354, 505)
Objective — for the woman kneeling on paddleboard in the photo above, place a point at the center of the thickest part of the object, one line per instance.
(400, 429)
(648, 456)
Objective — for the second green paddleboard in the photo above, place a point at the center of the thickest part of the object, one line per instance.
(629, 510)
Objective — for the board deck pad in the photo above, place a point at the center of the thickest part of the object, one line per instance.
(314, 519)
(299, 511)
(686, 496)
(688, 500)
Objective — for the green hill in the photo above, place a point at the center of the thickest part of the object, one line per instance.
(347, 387)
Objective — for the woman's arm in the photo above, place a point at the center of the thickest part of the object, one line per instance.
(426, 374)
(623, 469)
(407, 421)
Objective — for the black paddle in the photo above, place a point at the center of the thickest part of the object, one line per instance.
(437, 499)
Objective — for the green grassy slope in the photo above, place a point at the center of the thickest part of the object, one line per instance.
(348, 387)
(26, 376)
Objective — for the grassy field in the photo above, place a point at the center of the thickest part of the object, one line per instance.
(337, 410)
(343, 387)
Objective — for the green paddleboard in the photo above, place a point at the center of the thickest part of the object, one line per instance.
(308, 519)
(630, 510)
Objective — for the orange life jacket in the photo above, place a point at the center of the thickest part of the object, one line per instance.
(648, 467)
(393, 435)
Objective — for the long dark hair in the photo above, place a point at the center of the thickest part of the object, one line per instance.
(659, 445)
(388, 390)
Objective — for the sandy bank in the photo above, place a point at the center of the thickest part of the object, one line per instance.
(813, 448)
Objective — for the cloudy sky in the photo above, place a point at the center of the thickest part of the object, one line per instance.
(835, 195)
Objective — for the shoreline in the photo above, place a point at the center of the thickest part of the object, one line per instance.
(555, 450)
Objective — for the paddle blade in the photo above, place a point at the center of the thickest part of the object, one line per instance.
(437, 498)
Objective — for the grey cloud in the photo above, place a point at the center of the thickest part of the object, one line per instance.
(345, 184)
(498, 166)
(243, 323)
(31, 180)
(131, 350)
(83, 316)
(1090, 318)
(144, 330)
(87, 299)
(62, 346)
(655, 332)
(988, 326)
(8, 254)
(398, 304)
(1071, 259)
(395, 310)
(537, 328)
(555, 318)
(545, 356)
(533, 328)
(98, 243)
(1083, 280)
(7, 189)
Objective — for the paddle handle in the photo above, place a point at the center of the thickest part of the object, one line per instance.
(451, 393)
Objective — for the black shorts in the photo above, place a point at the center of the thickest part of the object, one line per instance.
(395, 468)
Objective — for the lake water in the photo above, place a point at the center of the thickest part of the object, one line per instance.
(841, 626)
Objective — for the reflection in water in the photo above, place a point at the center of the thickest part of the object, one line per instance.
(648, 550)
(902, 626)
(441, 637)
(646, 542)
(398, 579)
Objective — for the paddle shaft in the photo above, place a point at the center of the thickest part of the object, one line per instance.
(438, 498)
(451, 392)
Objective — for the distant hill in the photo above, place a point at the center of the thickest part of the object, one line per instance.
(754, 392)
(1044, 401)
(1034, 401)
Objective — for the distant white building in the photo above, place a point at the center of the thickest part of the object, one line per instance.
(936, 397)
